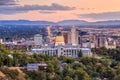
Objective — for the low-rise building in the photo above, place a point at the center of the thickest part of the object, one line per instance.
(36, 66)
(88, 45)
(68, 51)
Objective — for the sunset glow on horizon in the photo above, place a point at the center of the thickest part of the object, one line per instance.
(56, 10)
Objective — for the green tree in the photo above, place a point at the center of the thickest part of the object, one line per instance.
(80, 53)
(77, 65)
(80, 74)
(117, 77)
(50, 68)
(68, 78)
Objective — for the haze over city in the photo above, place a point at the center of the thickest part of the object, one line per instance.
(59, 39)
(56, 10)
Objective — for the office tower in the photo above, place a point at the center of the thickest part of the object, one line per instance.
(101, 41)
(74, 36)
(94, 39)
(38, 39)
(69, 37)
(49, 33)
(65, 34)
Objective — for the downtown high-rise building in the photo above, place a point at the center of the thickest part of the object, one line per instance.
(73, 36)
(65, 34)
(38, 40)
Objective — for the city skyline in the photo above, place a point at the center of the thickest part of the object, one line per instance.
(56, 10)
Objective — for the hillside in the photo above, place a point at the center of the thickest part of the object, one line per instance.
(63, 22)
(11, 73)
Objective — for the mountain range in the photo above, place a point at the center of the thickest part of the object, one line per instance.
(63, 22)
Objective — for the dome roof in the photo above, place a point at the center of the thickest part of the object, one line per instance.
(59, 40)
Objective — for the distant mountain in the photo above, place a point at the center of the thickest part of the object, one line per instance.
(109, 22)
(72, 22)
(25, 22)
(64, 22)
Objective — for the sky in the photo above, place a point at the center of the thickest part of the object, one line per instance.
(57, 10)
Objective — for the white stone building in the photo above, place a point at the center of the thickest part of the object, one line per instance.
(68, 51)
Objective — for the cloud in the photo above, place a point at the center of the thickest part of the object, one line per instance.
(7, 2)
(47, 12)
(101, 16)
(86, 8)
(26, 8)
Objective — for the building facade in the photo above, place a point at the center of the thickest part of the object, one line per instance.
(38, 39)
(36, 66)
(63, 51)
